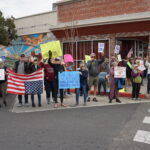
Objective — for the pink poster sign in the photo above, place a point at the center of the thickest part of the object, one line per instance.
(68, 58)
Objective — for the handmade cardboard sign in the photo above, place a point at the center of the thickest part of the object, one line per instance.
(101, 47)
(120, 72)
(69, 79)
(2, 74)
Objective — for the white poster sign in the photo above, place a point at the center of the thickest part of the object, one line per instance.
(2, 74)
(119, 58)
(101, 47)
(120, 72)
(117, 49)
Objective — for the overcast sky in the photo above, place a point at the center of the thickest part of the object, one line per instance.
(20, 8)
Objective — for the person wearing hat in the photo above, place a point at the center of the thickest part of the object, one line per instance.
(136, 82)
(3, 85)
(21, 67)
(93, 69)
(58, 67)
(33, 66)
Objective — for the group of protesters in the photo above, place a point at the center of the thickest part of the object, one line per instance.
(90, 76)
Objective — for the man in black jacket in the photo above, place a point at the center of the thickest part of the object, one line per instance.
(21, 67)
(58, 67)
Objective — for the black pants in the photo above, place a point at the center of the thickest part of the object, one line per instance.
(25, 98)
(49, 87)
(56, 92)
(135, 89)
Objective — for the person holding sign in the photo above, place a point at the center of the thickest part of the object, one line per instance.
(147, 64)
(58, 67)
(113, 86)
(83, 84)
(93, 68)
(136, 83)
(3, 83)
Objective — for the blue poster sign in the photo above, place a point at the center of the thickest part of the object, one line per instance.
(3, 58)
(69, 80)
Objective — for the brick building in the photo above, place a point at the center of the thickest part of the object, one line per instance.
(82, 24)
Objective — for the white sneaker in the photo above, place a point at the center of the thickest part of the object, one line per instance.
(19, 105)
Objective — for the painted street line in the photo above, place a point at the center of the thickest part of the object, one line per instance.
(142, 136)
(146, 120)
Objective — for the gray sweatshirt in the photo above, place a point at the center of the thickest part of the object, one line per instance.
(93, 67)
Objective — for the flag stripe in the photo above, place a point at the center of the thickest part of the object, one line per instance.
(26, 78)
(16, 82)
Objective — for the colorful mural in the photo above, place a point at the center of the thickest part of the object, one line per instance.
(26, 44)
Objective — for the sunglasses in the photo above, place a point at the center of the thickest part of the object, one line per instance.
(92, 56)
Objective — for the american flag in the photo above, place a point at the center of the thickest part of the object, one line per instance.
(21, 84)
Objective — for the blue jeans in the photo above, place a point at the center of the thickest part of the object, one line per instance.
(39, 99)
(84, 87)
(148, 84)
(103, 83)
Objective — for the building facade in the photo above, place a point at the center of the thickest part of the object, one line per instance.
(82, 24)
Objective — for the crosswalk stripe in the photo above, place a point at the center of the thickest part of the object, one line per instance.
(146, 120)
(142, 136)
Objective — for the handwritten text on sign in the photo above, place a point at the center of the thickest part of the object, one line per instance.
(69, 80)
(120, 72)
(2, 74)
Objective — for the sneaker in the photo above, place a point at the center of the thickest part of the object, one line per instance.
(138, 99)
(88, 99)
(84, 104)
(62, 105)
(39, 105)
(33, 105)
(98, 94)
(19, 105)
(26, 104)
(55, 105)
(95, 100)
(117, 100)
(48, 100)
(134, 99)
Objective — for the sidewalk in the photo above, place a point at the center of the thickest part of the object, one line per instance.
(69, 101)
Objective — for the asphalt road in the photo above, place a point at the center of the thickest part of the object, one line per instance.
(96, 128)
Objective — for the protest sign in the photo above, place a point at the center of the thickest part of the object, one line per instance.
(117, 49)
(2, 74)
(141, 66)
(120, 72)
(53, 46)
(87, 58)
(3, 58)
(119, 58)
(101, 47)
(68, 58)
(68, 80)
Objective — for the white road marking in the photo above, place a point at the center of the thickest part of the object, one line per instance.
(142, 136)
(146, 120)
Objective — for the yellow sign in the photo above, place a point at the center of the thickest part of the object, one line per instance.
(87, 58)
(54, 47)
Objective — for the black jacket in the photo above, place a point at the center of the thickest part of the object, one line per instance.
(25, 67)
(83, 77)
(32, 68)
(57, 68)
